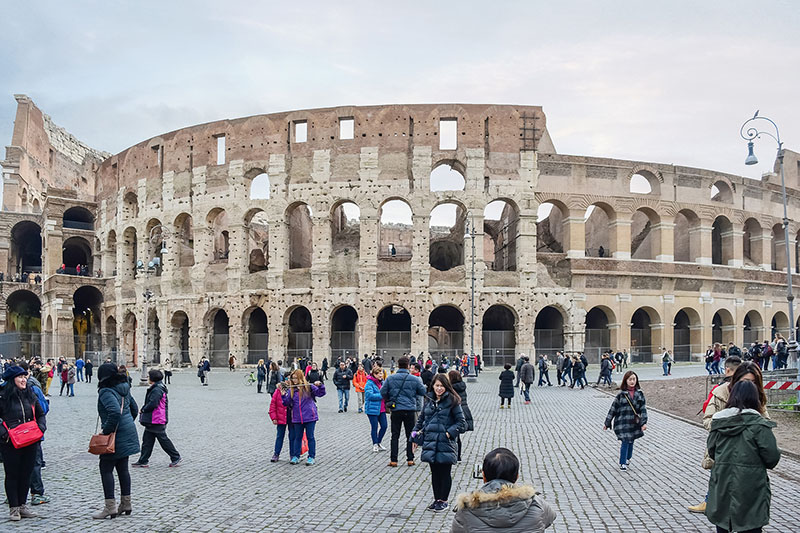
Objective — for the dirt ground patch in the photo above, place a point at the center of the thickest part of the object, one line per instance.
(684, 397)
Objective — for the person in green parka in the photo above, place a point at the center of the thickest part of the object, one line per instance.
(743, 447)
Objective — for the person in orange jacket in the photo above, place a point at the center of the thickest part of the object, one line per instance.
(359, 382)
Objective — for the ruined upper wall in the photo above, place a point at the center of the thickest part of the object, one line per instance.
(43, 155)
(394, 129)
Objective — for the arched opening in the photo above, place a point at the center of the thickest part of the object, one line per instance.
(37, 207)
(446, 249)
(184, 235)
(76, 256)
(110, 341)
(220, 339)
(346, 230)
(752, 243)
(645, 234)
(23, 326)
(686, 334)
(643, 340)
(780, 324)
(130, 206)
(300, 332)
(397, 231)
(778, 256)
(156, 245)
(550, 219)
(180, 338)
(344, 339)
(446, 331)
(87, 320)
(722, 328)
(130, 349)
(447, 178)
(257, 227)
(644, 182)
(548, 332)
(499, 336)
(152, 337)
(130, 253)
(598, 334)
(686, 236)
(257, 336)
(753, 328)
(500, 230)
(721, 241)
(217, 221)
(597, 222)
(393, 338)
(23, 200)
(300, 236)
(78, 218)
(721, 192)
(259, 187)
(26, 249)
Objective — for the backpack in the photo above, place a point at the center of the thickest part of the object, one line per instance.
(782, 349)
(710, 358)
(710, 395)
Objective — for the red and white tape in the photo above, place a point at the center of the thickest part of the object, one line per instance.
(782, 385)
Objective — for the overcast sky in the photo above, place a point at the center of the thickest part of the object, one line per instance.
(670, 84)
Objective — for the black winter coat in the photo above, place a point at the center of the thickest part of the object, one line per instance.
(17, 407)
(342, 378)
(577, 369)
(109, 400)
(274, 379)
(426, 376)
(461, 389)
(436, 420)
(506, 384)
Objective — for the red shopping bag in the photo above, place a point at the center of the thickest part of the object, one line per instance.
(304, 447)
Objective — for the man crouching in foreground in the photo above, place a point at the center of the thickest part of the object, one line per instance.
(500, 505)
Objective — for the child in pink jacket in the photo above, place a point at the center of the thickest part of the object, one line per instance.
(281, 417)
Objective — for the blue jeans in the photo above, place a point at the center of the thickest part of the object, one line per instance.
(566, 374)
(715, 367)
(71, 389)
(583, 377)
(625, 451)
(79, 374)
(708, 368)
(526, 387)
(343, 393)
(308, 428)
(378, 423)
(280, 436)
(665, 366)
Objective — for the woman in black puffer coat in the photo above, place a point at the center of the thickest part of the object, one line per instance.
(437, 429)
(461, 389)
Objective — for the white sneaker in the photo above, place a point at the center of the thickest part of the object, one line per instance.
(623, 467)
(375, 448)
(628, 462)
(381, 448)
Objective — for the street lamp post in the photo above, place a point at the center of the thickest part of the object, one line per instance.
(472, 371)
(752, 132)
(157, 236)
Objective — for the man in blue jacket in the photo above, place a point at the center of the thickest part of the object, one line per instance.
(399, 392)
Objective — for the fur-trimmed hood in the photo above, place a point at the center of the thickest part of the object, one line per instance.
(501, 505)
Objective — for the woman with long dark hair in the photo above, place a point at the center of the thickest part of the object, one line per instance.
(628, 413)
(437, 430)
(743, 447)
(275, 377)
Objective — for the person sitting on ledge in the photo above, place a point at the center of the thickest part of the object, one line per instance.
(500, 504)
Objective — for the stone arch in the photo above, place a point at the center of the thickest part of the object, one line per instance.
(219, 327)
(396, 239)
(722, 241)
(77, 257)
(184, 238)
(646, 328)
(752, 243)
(300, 333)
(110, 341)
(78, 218)
(600, 335)
(130, 206)
(753, 326)
(448, 175)
(548, 331)
(722, 327)
(446, 241)
(651, 176)
(344, 332)
(446, 331)
(499, 335)
(258, 184)
(501, 231)
(87, 314)
(37, 207)
(552, 218)
(687, 334)
(599, 233)
(256, 224)
(130, 253)
(217, 222)
(23, 325)
(179, 338)
(301, 235)
(686, 236)
(25, 254)
(645, 234)
(779, 324)
(254, 322)
(346, 229)
(722, 191)
(156, 244)
(393, 332)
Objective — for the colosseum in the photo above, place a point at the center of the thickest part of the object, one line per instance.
(401, 228)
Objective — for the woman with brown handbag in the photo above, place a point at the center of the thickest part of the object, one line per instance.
(117, 411)
(18, 406)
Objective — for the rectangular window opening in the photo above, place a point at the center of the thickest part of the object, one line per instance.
(220, 149)
(448, 139)
(300, 131)
(346, 128)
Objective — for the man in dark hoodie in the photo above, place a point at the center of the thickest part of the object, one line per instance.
(500, 504)
(154, 417)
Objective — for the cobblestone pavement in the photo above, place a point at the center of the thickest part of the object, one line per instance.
(226, 482)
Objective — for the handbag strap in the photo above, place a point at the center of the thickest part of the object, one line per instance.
(398, 389)
(627, 397)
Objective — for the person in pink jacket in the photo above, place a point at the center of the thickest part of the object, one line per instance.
(281, 417)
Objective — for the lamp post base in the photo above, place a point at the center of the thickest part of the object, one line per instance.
(144, 380)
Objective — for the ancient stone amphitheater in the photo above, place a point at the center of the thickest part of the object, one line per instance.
(365, 229)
